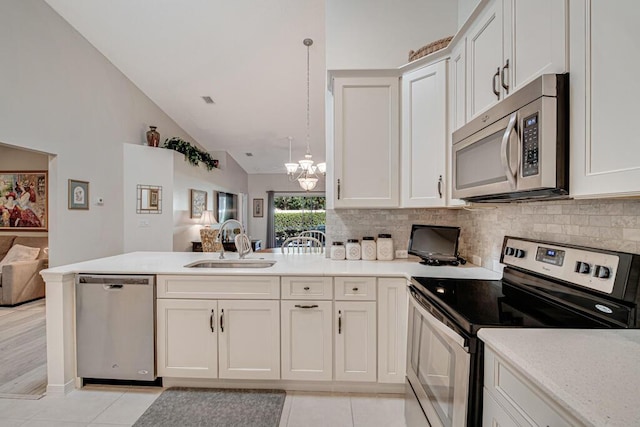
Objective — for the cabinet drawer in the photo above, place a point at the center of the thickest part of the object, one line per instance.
(521, 399)
(218, 287)
(355, 288)
(313, 288)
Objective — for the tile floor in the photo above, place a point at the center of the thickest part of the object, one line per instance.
(106, 406)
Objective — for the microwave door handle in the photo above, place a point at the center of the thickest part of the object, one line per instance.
(504, 151)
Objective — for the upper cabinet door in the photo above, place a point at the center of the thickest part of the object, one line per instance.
(366, 142)
(458, 86)
(424, 136)
(484, 60)
(605, 154)
(535, 43)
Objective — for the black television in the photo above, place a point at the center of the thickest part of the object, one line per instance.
(227, 206)
(435, 244)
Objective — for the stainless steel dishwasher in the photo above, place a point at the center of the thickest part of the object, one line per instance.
(115, 326)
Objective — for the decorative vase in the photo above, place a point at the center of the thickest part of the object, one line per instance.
(153, 137)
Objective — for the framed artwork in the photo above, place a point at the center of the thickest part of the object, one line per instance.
(149, 199)
(78, 195)
(198, 203)
(258, 208)
(23, 201)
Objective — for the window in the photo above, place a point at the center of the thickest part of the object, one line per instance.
(296, 213)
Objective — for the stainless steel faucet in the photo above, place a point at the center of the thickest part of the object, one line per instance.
(219, 238)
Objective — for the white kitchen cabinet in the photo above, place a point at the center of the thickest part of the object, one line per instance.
(458, 86)
(355, 341)
(605, 155)
(392, 330)
(249, 339)
(365, 142)
(424, 136)
(307, 344)
(510, 44)
(187, 338)
(516, 400)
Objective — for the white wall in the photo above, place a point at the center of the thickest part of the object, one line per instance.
(147, 166)
(465, 7)
(365, 34)
(259, 184)
(61, 96)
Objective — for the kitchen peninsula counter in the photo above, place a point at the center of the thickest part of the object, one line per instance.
(286, 265)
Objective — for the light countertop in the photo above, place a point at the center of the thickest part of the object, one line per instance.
(594, 374)
(286, 265)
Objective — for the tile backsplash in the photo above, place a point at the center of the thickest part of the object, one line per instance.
(607, 224)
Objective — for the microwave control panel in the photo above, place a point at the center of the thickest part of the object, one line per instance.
(530, 146)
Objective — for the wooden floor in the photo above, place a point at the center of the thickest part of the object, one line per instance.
(23, 350)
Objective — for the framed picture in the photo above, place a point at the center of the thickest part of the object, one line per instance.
(198, 203)
(153, 198)
(78, 194)
(149, 199)
(23, 201)
(258, 208)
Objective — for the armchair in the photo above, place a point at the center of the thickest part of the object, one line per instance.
(20, 281)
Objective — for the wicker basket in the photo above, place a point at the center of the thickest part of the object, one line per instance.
(430, 48)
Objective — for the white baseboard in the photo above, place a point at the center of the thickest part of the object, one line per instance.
(61, 390)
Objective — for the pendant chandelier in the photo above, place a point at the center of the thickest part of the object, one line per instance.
(305, 172)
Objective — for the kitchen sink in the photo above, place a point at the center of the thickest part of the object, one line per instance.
(232, 263)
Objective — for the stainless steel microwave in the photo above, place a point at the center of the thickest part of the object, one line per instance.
(518, 149)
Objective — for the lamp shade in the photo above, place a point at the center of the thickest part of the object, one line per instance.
(208, 218)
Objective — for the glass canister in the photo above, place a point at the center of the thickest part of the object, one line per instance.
(338, 251)
(353, 249)
(369, 251)
(385, 247)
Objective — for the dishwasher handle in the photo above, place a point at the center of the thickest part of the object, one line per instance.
(113, 281)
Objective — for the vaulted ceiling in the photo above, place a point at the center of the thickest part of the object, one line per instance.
(247, 55)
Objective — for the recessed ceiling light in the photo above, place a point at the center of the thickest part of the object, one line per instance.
(248, 154)
(208, 100)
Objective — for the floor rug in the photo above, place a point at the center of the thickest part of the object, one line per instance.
(180, 406)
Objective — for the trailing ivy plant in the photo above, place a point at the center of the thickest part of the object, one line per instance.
(191, 154)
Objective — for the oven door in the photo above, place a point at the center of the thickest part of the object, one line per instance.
(438, 364)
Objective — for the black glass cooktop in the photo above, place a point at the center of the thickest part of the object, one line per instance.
(474, 304)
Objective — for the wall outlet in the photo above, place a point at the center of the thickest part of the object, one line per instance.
(476, 260)
(402, 253)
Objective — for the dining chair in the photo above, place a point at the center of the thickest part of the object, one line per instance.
(302, 245)
(316, 234)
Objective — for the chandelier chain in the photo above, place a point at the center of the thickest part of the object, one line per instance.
(308, 92)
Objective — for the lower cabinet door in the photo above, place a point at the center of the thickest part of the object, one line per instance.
(307, 350)
(355, 341)
(249, 339)
(187, 339)
(493, 415)
(393, 307)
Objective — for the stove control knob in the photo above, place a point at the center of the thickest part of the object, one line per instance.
(602, 272)
(520, 253)
(509, 251)
(583, 267)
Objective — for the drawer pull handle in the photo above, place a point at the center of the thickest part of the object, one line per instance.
(339, 321)
(306, 306)
(306, 288)
(222, 321)
(211, 321)
(355, 289)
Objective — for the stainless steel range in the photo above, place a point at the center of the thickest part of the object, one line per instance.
(545, 284)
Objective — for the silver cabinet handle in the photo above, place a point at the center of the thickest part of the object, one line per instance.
(211, 321)
(338, 188)
(495, 90)
(306, 306)
(440, 186)
(306, 288)
(355, 289)
(222, 321)
(339, 321)
(504, 151)
(502, 74)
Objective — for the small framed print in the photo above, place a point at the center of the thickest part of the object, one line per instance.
(258, 208)
(153, 198)
(198, 203)
(78, 194)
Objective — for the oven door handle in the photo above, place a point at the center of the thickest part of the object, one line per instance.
(441, 327)
(504, 151)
